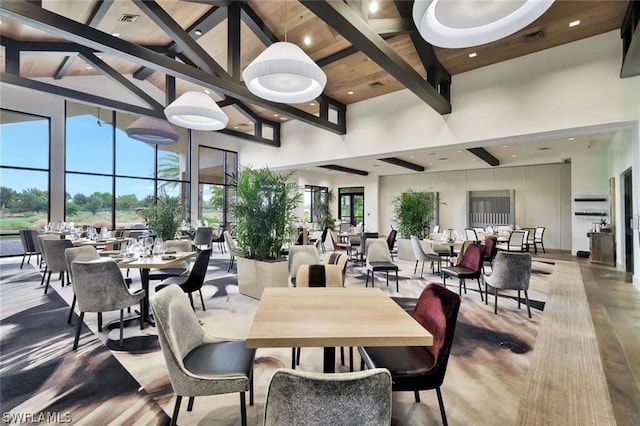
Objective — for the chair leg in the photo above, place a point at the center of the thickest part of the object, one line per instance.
(397, 282)
(416, 268)
(518, 299)
(293, 358)
(73, 305)
(361, 364)
(526, 299)
(341, 355)
(78, 328)
(176, 411)
(366, 283)
(202, 299)
(46, 287)
(422, 270)
(298, 356)
(121, 328)
(495, 295)
(230, 264)
(441, 403)
(141, 318)
(480, 288)
(351, 358)
(23, 256)
(251, 387)
(486, 292)
(190, 403)
(243, 409)
(99, 321)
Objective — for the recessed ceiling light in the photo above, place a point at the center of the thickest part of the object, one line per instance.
(473, 159)
(198, 33)
(412, 156)
(473, 55)
(513, 155)
(430, 164)
(572, 139)
(312, 104)
(505, 146)
(306, 40)
(459, 151)
(283, 118)
(207, 91)
(115, 34)
(350, 92)
(574, 23)
(275, 115)
(88, 67)
(235, 127)
(373, 7)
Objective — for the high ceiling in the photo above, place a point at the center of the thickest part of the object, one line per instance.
(202, 35)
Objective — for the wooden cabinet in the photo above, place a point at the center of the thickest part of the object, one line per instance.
(603, 248)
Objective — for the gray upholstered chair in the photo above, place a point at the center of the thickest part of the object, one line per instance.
(232, 248)
(80, 253)
(305, 398)
(510, 271)
(379, 259)
(301, 255)
(39, 239)
(53, 252)
(100, 287)
(199, 364)
(177, 270)
(421, 256)
(27, 238)
(203, 236)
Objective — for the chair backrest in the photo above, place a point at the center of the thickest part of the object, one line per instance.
(319, 276)
(179, 332)
(324, 234)
(40, 238)
(391, 239)
(54, 254)
(344, 227)
(437, 311)
(418, 251)
(539, 234)
(219, 236)
(299, 397)
(377, 251)
(177, 245)
(99, 285)
(436, 229)
(230, 243)
(473, 257)
(302, 255)
(470, 234)
(530, 234)
(490, 247)
(511, 271)
(204, 236)
(339, 260)
(517, 240)
(363, 240)
(26, 238)
(79, 253)
(198, 272)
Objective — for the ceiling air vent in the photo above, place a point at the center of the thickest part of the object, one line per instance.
(129, 17)
(534, 36)
(376, 84)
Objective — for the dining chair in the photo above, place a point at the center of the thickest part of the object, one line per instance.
(469, 267)
(232, 248)
(344, 227)
(177, 270)
(28, 245)
(379, 259)
(421, 256)
(79, 253)
(339, 260)
(307, 398)
(100, 287)
(203, 236)
(391, 241)
(490, 250)
(339, 245)
(53, 252)
(195, 279)
(470, 234)
(511, 271)
(362, 245)
(298, 256)
(517, 242)
(219, 238)
(199, 364)
(323, 238)
(538, 239)
(416, 368)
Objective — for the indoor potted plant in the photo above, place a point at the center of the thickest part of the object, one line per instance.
(264, 210)
(164, 215)
(414, 212)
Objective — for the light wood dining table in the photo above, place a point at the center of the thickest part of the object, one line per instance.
(144, 264)
(330, 317)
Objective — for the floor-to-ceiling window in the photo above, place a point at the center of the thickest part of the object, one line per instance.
(217, 169)
(24, 174)
(351, 205)
(111, 178)
(312, 198)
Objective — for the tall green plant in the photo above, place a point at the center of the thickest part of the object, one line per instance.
(414, 213)
(264, 210)
(325, 218)
(164, 216)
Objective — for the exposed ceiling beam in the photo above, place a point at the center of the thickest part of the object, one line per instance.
(64, 67)
(629, 31)
(114, 75)
(254, 138)
(40, 86)
(347, 51)
(257, 25)
(402, 163)
(350, 25)
(42, 19)
(179, 36)
(345, 169)
(391, 26)
(219, 3)
(60, 46)
(233, 41)
(485, 156)
(143, 73)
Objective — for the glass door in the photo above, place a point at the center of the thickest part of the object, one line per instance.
(351, 205)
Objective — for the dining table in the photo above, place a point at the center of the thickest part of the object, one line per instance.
(97, 243)
(330, 317)
(145, 264)
(453, 245)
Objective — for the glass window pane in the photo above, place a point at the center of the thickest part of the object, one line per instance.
(89, 145)
(132, 196)
(24, 198)
(24, 141)
(211, 165)
(133, 157)
(232, 166)
(177, 189)
(212, 204)
(173, 160)
(89, 199)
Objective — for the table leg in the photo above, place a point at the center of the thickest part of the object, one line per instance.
(145, 314)
(329, 360)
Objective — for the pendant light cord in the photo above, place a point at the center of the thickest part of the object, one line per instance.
(285, 21)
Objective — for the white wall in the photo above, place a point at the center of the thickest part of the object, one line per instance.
(542, 192)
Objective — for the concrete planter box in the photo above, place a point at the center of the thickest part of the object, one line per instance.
(254, 276)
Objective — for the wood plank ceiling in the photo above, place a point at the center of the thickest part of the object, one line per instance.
(352, 78)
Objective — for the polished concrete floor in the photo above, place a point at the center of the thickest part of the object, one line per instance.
(615, 309)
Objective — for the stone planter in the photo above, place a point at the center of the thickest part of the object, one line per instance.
(254, 276)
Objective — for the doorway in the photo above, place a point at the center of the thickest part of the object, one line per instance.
(627, 188)
(351, 205)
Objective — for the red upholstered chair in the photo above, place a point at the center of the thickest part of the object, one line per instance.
(470, 266)
(490, 250)
(416, 368)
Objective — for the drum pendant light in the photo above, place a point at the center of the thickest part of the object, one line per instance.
(197, 111)
(153, 131)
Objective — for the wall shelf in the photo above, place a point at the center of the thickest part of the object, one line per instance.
(591, 214)
(590, 199)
